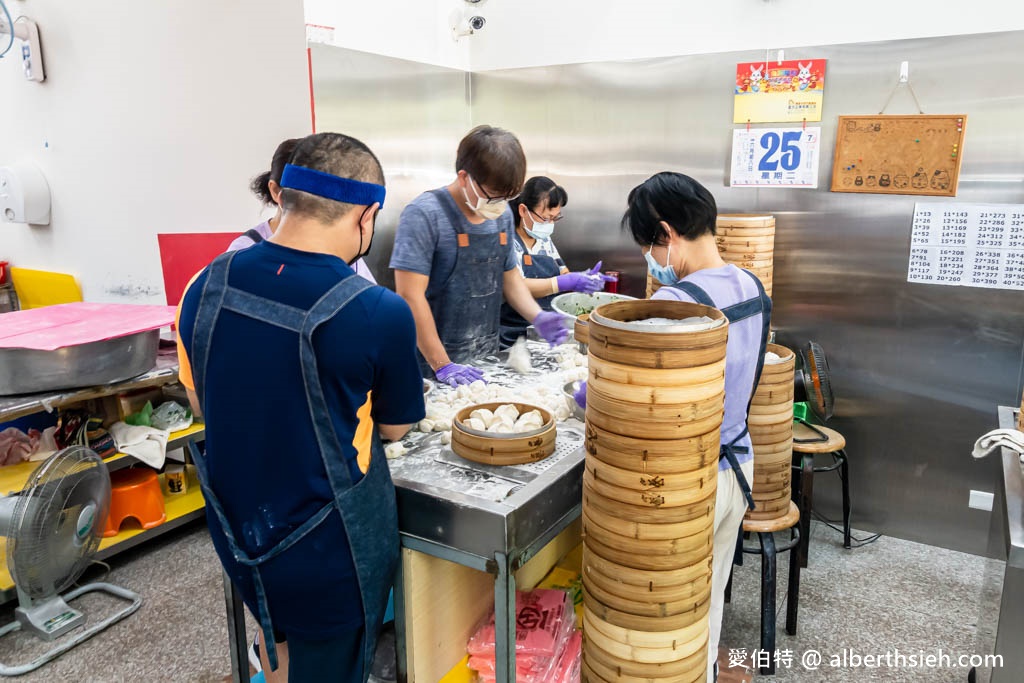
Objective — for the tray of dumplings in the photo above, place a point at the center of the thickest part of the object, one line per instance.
(503, 433)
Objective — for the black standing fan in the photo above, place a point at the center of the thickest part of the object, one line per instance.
(814, 386)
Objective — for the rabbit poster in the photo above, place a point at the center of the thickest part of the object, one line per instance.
(771, 91)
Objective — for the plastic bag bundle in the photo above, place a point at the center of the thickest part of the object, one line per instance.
(567, 670)
(171, 417)
(545, 623)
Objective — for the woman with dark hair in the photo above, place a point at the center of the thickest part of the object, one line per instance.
(267, 188)
(672, 217)
(535, 212)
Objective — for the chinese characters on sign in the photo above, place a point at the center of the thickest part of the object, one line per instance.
(769, 91)
(775, 157)
(974, 245)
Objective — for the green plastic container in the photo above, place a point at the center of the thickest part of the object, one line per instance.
(800, 410)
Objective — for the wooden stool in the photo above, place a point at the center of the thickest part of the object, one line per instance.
(764, 528)
(808, 441)
(135, 493)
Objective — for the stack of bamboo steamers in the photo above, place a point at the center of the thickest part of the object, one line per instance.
(747, 241)
(771, 431)
(655, 398)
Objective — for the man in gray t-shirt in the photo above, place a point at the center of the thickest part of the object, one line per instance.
(454, 263)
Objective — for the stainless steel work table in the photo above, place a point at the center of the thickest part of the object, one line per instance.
(1010, 633)
(489, 518)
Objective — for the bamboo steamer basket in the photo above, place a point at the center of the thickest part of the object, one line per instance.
(655, 497)
(647, 595)
(656, 640)
(636, 622)
(652, 285)
(745, 221)
(580, 329)
(677, 455)
(647, 530)
(653, 349)
(771, 433)
(656, 378)
(748, 241)
(633, 660)
(657, 480)
(673, 547)
(646, 514)
(503, 449)
(670, 421)
(603, 673)
(628, 558)
(656, 581)
(648, 605)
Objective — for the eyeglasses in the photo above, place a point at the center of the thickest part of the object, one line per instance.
(553, 219)
(490, 200)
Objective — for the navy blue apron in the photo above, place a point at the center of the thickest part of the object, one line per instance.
(467, 307)
(367, 507)
(758, 305)
(535, 266)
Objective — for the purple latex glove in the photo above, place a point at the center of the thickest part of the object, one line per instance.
(551, 326)
(581, 394)
(586, 282)
(454, 374)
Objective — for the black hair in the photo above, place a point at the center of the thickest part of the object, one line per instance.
(677, 199)
(338, 155)
(493, 157)
(260, 185)
(539, 192)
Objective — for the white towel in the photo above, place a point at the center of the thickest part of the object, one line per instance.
(145, 443)
(1000, 438)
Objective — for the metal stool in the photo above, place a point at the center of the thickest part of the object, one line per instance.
(808, 441)
(765, 528)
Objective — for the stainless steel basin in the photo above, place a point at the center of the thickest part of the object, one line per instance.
(30, 371)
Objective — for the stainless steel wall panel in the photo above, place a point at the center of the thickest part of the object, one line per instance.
(918, 369)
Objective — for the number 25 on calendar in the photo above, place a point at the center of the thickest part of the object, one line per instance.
(775, 157)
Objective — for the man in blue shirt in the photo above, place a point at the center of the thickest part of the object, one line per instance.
(298, 364)
(453, 259)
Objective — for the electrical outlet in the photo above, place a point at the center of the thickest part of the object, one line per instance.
(981, 500)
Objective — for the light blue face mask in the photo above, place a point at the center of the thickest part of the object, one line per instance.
(539, 231)
(666, 274)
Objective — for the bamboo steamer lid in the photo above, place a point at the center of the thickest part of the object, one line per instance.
(651, 349)
(771, 446)
(677, 455)
(639, 398)
(674, 655)
(640, 623)
(500, 449)
(647, 514)
(665, 581)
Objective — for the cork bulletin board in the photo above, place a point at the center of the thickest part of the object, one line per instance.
(899, 154)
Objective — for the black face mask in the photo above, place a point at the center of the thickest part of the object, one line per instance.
(360, 254)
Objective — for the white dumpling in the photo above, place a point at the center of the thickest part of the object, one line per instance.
(478, 387)
(529, 422)
(395, 450)
(500, 428)
(508, 410)
(464, 392)
(477, 424)
(446, 438)
(562, 412)
(426, 425)
(484, 415)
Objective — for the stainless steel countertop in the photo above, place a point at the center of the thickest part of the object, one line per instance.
(1013, 490)
(480, 509)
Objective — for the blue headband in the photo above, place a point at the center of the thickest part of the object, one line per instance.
(331, 186)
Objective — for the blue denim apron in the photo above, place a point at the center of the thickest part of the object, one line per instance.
(536, 266)
(467, 308)
(758, 305)
(367, 507)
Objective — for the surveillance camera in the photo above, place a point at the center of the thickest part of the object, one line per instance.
(476, 23)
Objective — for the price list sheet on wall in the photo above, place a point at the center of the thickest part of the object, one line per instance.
(973, 245)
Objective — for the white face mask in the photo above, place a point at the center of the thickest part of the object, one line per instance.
(483, 208)
(539, 231)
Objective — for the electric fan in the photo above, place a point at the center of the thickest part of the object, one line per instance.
(814, 386)
(53, 529)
